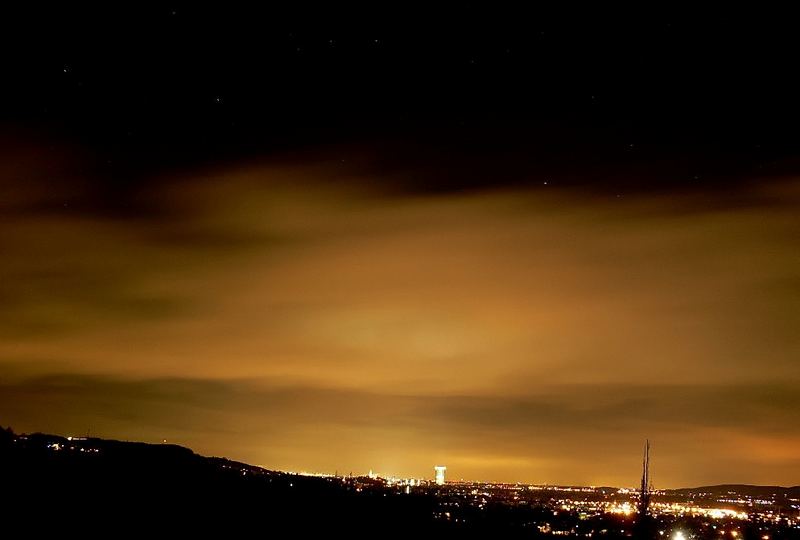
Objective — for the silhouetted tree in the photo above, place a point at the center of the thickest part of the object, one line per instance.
(6, 437)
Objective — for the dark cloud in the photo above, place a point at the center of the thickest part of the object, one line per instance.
(302, 315)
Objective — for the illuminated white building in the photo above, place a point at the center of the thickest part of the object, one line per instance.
(440, 469)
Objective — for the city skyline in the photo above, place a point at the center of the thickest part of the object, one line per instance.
(129, 470)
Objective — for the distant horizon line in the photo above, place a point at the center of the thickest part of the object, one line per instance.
(335, 474)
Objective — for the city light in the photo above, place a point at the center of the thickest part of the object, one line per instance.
(570, 511)
(440, 470)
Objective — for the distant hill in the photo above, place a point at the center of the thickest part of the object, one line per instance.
(739, 489)
(95, 487)
(90, 487)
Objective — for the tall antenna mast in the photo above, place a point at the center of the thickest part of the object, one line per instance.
(644, 492)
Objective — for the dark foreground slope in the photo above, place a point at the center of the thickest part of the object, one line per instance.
(95, 487)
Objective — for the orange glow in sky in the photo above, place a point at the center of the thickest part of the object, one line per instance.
(296, 316)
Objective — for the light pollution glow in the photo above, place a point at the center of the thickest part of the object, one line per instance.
(296, 316)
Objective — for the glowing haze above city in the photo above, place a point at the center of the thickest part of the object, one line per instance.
(346, 302)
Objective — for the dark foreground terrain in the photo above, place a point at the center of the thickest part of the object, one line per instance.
(92, 488)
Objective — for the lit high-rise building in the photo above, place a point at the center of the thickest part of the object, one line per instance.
(440, 469)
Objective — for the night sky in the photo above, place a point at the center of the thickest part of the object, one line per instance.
(516, 244)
